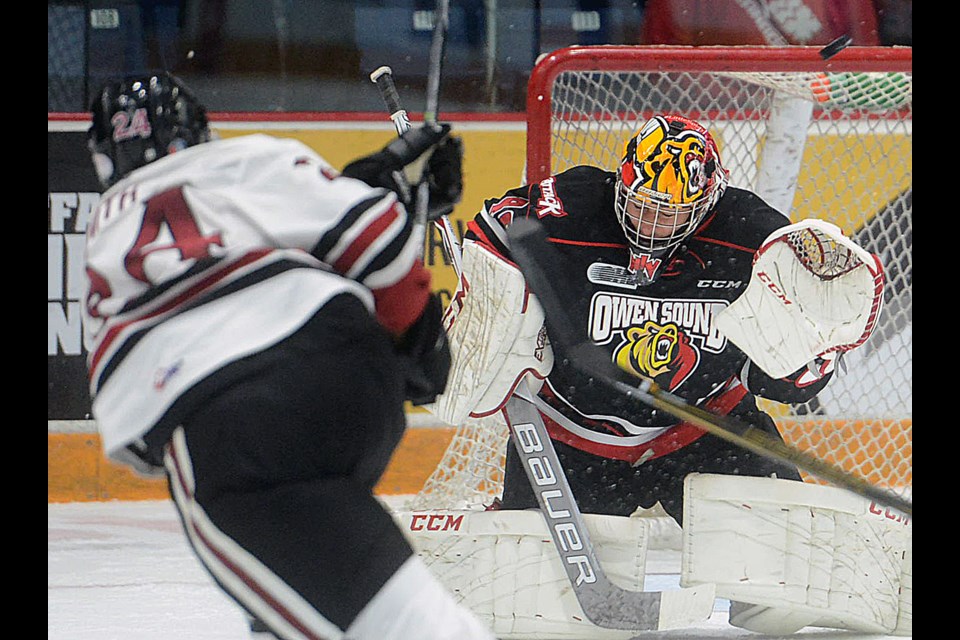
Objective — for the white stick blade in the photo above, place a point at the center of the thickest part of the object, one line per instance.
(687, 607)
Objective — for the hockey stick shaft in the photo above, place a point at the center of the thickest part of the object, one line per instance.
(437, 46)
(383, 78)
(431, 113)
(534, 254)
(604, 603)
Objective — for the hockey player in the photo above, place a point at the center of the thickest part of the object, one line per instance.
(655, 248)
(254, 321)
(716, 297)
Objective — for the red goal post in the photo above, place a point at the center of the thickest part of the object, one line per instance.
(829, 139)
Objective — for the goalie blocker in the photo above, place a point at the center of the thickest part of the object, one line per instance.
(495, 327)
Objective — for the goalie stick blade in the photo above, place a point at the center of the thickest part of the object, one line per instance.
(532, 251)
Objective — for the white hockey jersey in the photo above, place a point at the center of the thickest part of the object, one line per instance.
(221, 250)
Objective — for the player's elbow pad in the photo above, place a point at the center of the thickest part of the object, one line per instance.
(424, 354)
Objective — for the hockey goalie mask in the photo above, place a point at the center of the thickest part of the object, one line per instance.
(670, 177)
(140, 119)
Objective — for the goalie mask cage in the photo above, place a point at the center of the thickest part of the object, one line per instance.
(822, 139)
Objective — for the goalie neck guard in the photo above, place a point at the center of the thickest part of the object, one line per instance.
(669, 178)
(139, 119)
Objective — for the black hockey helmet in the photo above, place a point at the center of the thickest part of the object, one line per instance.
(139, 119)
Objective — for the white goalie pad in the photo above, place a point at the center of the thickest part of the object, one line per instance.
(790, 554)
(812, 291)
(504, 567)
(496, 334)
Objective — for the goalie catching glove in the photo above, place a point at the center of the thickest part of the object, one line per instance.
(442, 169)
(813, 293)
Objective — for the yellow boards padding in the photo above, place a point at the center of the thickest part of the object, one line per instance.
(874, 171)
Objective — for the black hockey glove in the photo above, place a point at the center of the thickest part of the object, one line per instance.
(443, 170)
(378, 169)
(425, 355)
(444, 176)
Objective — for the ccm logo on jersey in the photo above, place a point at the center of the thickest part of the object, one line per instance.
(549, 204)
(777, 291)
(719, 284)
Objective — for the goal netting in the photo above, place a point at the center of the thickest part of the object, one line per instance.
(826, 139)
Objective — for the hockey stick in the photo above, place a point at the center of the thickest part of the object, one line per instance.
(604, 603)
(383, 78)
(535, 255)
(437, 46)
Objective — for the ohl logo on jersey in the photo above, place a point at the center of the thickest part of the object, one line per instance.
(656, 351)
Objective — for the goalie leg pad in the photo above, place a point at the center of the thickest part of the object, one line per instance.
(504, 567)
(791, 554)
(905, 617)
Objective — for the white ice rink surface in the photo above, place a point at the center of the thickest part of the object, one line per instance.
(124, 571)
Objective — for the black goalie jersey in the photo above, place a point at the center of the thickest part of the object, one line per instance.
(663, 330)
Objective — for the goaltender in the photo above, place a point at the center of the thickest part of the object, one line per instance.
(660, 258)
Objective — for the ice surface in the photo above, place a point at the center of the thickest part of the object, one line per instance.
(124, 571)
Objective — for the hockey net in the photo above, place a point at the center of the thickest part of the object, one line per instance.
(824, 139)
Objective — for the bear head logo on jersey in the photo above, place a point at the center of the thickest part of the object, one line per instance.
(661, 352)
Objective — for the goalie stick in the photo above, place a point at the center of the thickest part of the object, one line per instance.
(535, 255)
(603, 602)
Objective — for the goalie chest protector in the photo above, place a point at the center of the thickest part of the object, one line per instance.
(662, 330)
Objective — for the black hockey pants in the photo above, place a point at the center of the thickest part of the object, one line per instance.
(274, 467)
(615, 487)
